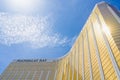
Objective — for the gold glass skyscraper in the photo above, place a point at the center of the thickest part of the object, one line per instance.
(94, 56)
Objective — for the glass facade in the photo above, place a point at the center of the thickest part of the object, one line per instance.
(30, 70)
(94, 56)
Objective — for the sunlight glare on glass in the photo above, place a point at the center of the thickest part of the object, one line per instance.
(106, 30)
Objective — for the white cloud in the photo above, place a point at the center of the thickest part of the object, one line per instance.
(36, 31)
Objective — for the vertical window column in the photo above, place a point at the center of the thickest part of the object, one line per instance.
(55, 74)
(82, 58)
(47, 77)
(8, 75)
(77, 59)
(69, 64)
(67, 68)
(27, 75)
(14, 75)
(89, 56)
(62, 70)
(34, 75)
(97, 54)
(41, 73)
(73, 65)
(22, 73)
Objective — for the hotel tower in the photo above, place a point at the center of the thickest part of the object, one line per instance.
(95, 54)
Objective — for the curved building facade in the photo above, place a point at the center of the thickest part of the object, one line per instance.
(95, 54)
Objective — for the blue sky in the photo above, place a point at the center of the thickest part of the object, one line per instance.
(41, 28)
